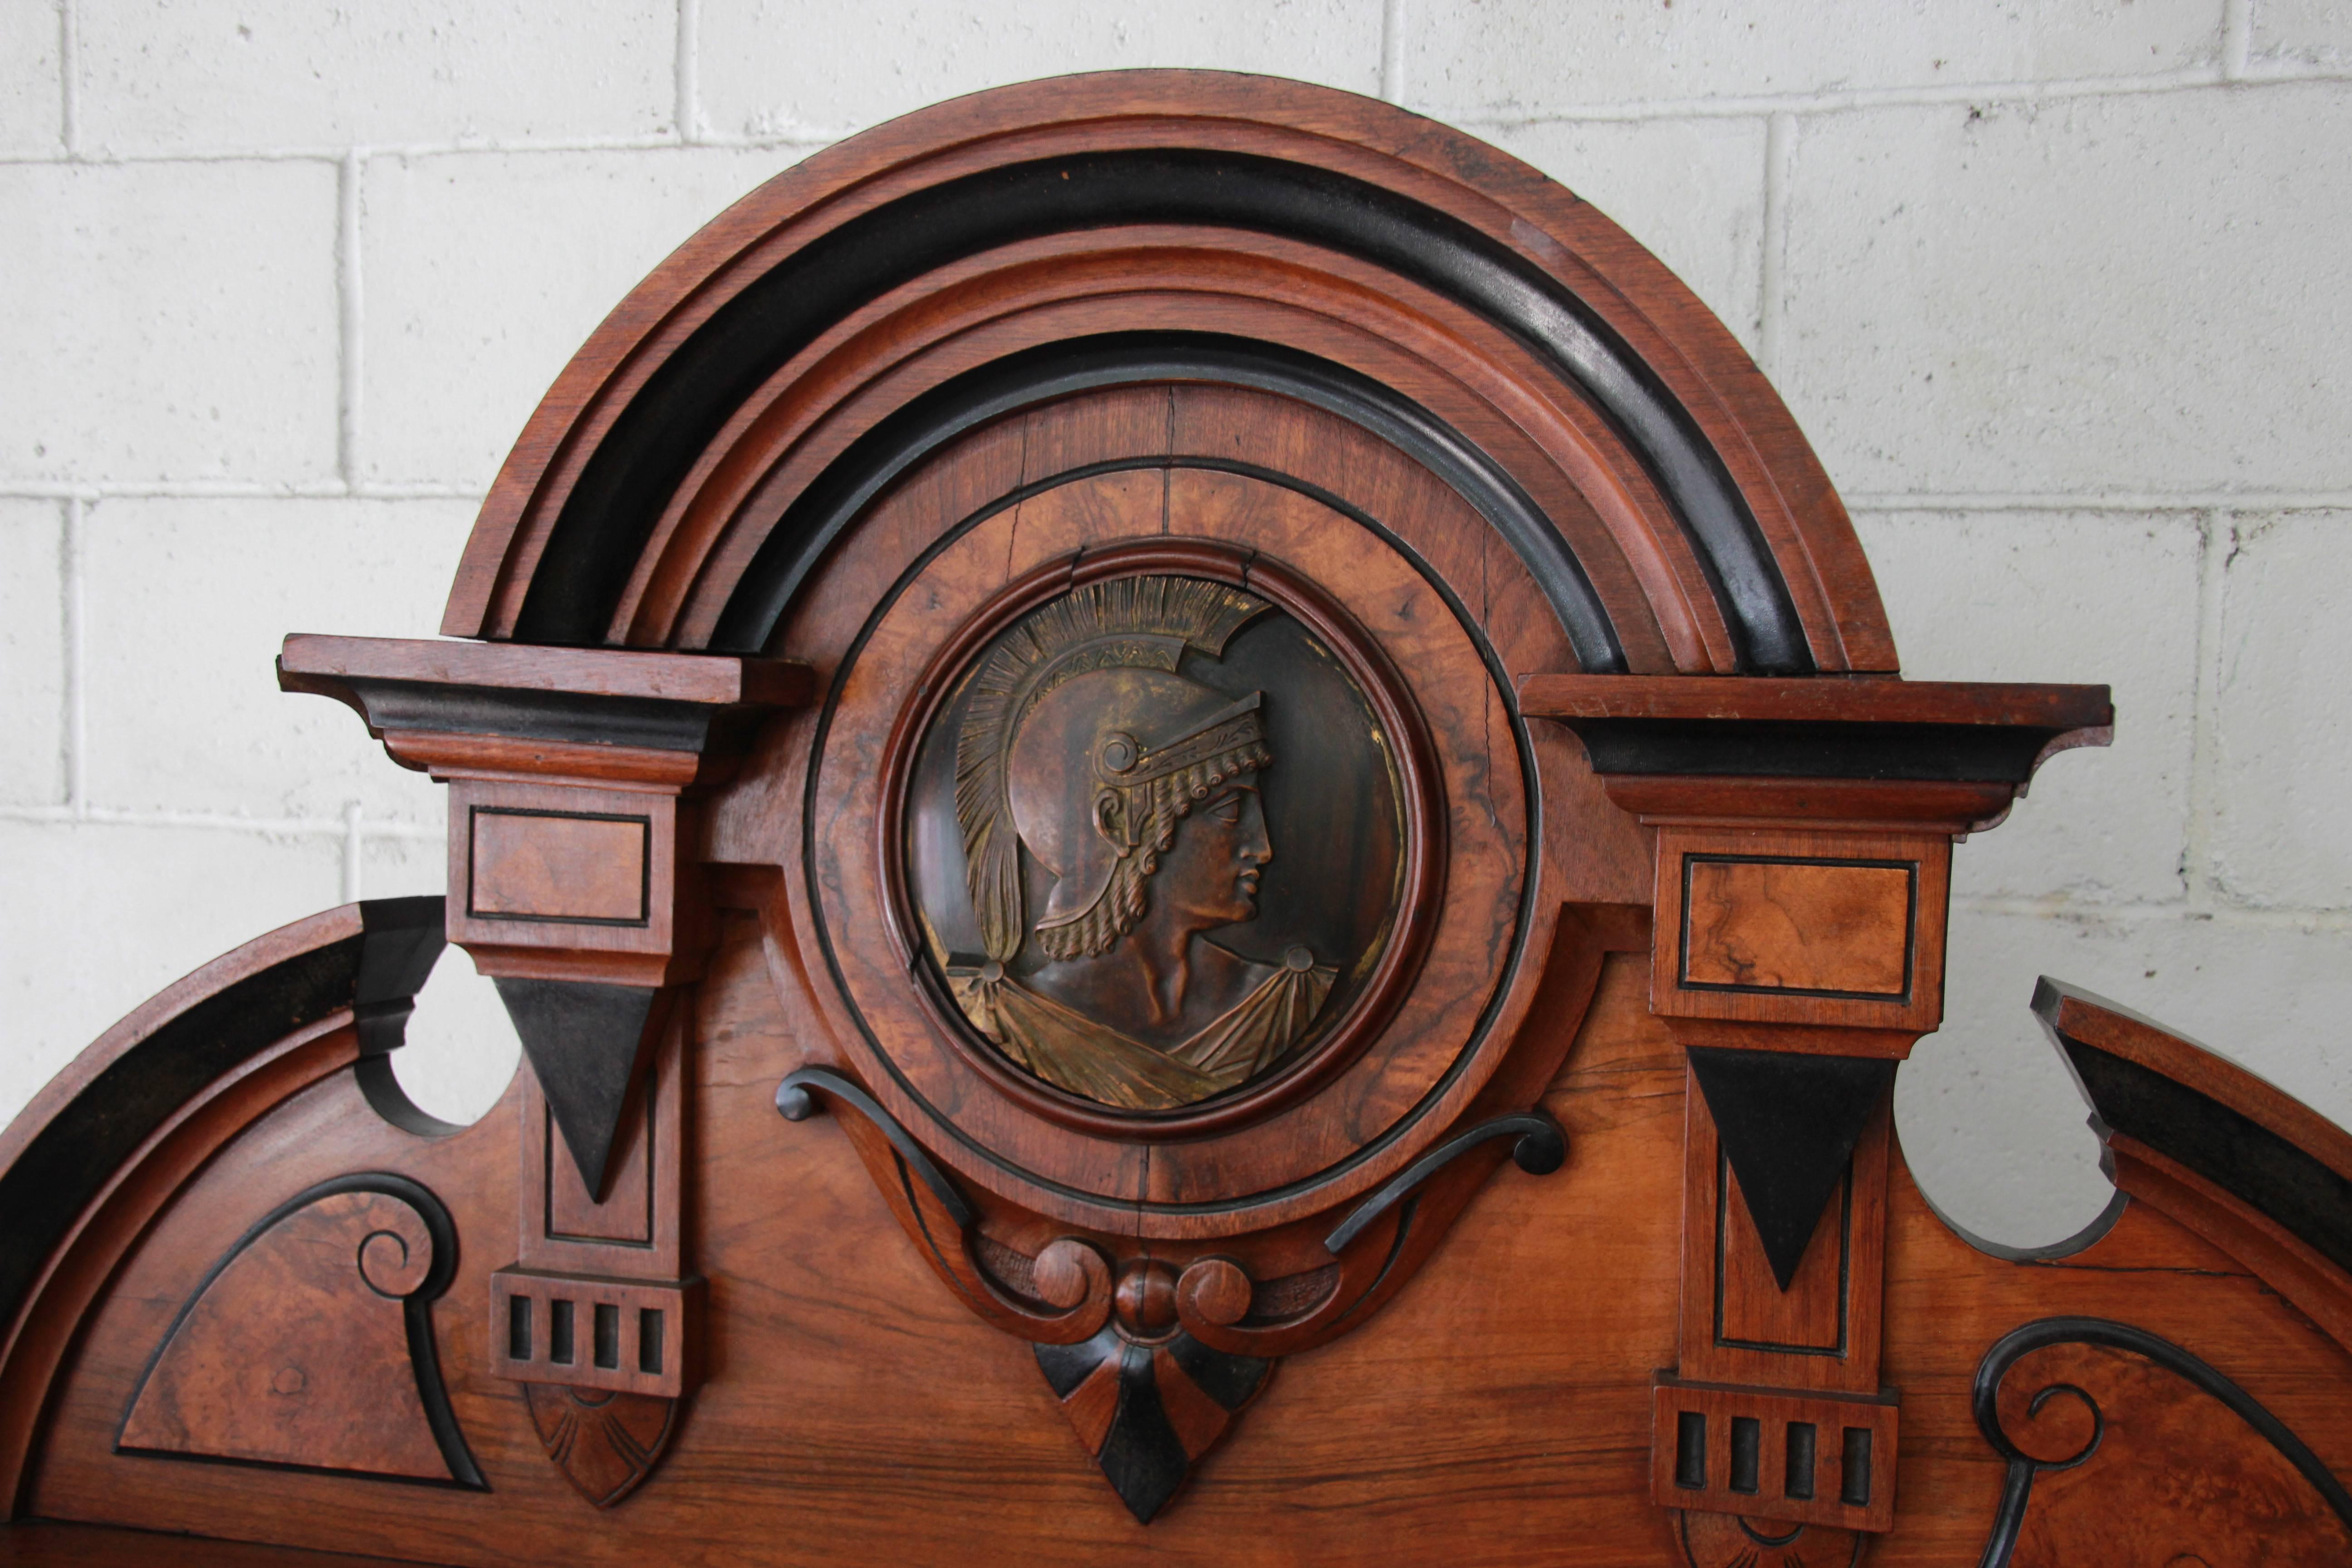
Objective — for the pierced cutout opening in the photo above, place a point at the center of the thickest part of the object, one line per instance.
(608, 1335)
(649, 1339)
(460, 1053)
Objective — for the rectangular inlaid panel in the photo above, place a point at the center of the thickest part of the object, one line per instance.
(1836, 928)
(1809, 1458)
(547, 866)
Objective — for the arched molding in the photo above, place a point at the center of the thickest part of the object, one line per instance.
(678, 443)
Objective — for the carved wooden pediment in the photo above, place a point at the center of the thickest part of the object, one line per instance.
(1063, 736)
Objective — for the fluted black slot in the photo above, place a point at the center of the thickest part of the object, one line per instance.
(559, 1332)
(1855, 1489)
(649, 1339)
(1690, 1451)
(1747, 1440)
(519, 1328)
(608, 1335)
(1800, 1471)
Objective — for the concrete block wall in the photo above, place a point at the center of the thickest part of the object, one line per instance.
(2054, 285)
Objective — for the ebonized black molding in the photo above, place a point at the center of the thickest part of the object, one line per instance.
(1541, 1149)
(1788, 1123)
(405, 939)
(1141, 1457)
(645, 455)
(649, 722)
(417, 1314)
(2013, 1346)
(834, 500)
(64, 1168)
(797, 1101)
(2227, 1147)
(1773, 748)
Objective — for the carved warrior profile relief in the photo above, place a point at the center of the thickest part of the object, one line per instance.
(1156, 838)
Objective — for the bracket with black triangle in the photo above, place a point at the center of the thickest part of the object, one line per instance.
(1789, 1122)
(588, 1043)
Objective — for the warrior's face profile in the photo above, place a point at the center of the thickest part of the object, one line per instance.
(1137, 790)
(1209, 876)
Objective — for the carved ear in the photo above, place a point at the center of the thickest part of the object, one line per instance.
(1110, 821)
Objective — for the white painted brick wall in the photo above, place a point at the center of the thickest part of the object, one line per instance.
(2056, 288)
(793, 69)
(459, 340)
(2281, 840)
(161, 78)
(32, 91)
(168, 321)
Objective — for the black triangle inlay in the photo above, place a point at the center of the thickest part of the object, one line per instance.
(1789, 1122)
(584, 1040)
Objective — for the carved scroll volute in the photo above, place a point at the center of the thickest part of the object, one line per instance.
(1803, 833)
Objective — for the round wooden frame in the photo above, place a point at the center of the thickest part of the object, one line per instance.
(1421, 868)
(1456, 1023)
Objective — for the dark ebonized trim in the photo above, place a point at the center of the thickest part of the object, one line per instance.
(1836, 1349)
(1788, 1121)
(1541, 1148)
(578, 718)
(584, 1040)
(1141, 1457)
(795, 1102)
(2016, 1489)
(1773, 748)
(2227, 1147)
(417, 1314)
(650, 447)
(834, 500)
(403, 941)
(66, 1165)
(1233, 1381)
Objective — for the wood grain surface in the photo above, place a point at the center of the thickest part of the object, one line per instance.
(846, 1386)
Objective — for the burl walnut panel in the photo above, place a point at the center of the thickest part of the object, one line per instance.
(1526, 1363)
(1831, 925)
(1838, 928)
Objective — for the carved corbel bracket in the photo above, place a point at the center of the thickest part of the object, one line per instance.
(574, 778)
(1803, 834)
(575, 784)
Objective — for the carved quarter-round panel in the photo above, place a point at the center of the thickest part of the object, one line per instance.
(1170, 844)
(1386, 819)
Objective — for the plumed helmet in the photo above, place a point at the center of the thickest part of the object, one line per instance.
(1080, 741)
(1100, 774)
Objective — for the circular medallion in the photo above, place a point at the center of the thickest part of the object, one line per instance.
(1086, 987)
(1162, 835)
